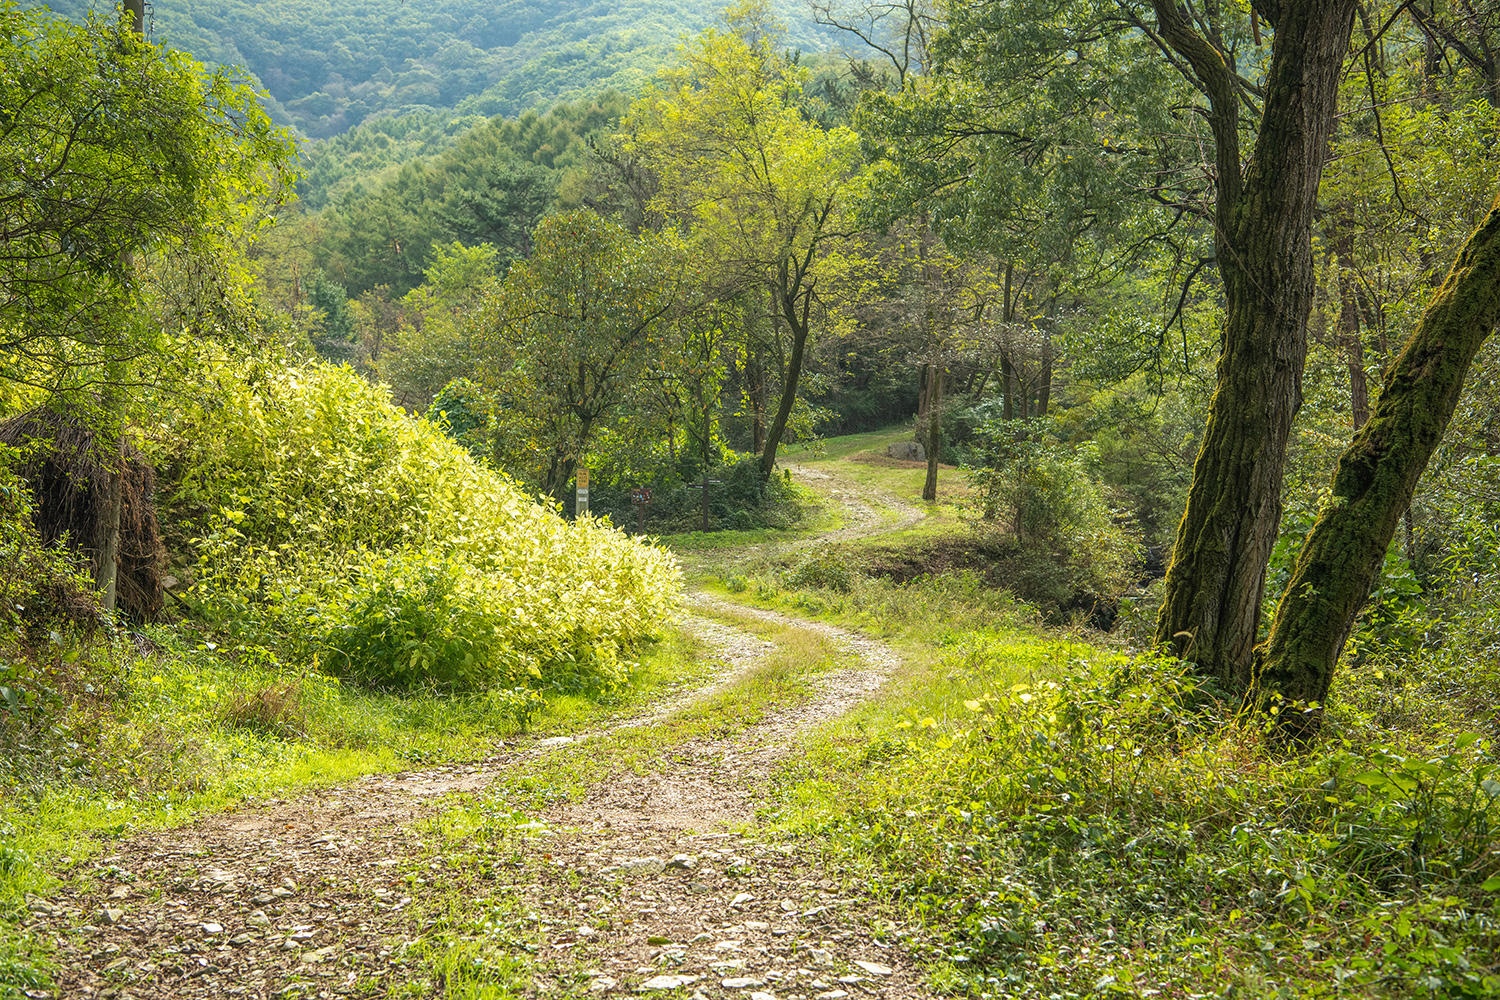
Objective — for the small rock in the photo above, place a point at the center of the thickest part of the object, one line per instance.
(109, 916)
(851, 979)
(42, 906)
(555, 741)
(729, 965)
(762, 996)
(212, 928)
(821, 956)
(258, 919)
(875, 968)
(282, 892)
(603, 984)
(756, 925)
(683, 862)
(119, 892)
(741, 899)
(637, 867)
(668, 982)
(321, 955)
(729, 946)
(742, 982)
(788, 906)
(242, 939)
(831, 995)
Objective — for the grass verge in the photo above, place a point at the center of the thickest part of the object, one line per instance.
(1066, 822)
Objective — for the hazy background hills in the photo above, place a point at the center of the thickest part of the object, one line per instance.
(328, 67)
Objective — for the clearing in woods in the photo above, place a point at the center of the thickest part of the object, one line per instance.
(622, 861)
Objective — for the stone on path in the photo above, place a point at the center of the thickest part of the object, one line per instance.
(668, 982)
(874, 968)
(637, 867)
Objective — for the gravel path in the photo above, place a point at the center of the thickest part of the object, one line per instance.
(652, 882)
(867, 511)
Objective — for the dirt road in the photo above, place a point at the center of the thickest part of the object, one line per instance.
(658, 879)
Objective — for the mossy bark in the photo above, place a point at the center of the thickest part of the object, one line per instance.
(1376, 476)
(1263, 226)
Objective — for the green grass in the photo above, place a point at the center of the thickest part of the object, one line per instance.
(1060, 821)
(79, 773)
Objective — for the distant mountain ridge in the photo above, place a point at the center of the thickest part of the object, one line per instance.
(331, 66)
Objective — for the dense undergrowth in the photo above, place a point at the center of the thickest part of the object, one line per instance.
(1062, 821)
(328, 526)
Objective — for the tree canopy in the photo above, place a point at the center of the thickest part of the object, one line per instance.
(116, 157)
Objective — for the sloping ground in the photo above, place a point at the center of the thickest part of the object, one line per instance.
(652, 880)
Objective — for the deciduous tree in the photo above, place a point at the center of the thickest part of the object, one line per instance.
(763, 192)
(569, 335)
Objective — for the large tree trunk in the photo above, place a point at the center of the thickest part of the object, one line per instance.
(1375, 480)
(1263, 248)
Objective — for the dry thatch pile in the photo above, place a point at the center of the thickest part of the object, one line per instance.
(62, 463)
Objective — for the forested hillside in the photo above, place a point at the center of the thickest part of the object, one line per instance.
(328, 67)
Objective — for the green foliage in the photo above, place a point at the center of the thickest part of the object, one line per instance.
(356, 62)
(462, 411)
(41, 586)
(738, 498)
(1062, 823)
(434, 342)
(129, 168)
(1057, 512)
(570, 335)
(328, 523)
(334, 338)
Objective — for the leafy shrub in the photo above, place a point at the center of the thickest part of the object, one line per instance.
(738, 499)
(274, 710)
(1117, 796)
(827, 568)
(40, 585)
(327, 522)
(1061, 526)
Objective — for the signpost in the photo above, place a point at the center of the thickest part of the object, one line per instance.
(641, 497)
(583, 492)
(704, 487)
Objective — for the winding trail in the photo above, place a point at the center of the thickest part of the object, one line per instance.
(656, 879)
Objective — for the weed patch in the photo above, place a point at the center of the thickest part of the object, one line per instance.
(1066, 823)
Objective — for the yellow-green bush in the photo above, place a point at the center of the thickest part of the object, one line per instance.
(328, 523)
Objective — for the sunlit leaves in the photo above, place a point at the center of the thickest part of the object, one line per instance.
(114, 152)
(570, 333)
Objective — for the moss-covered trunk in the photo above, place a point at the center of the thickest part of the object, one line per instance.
(1376, 477)
(1264, 217)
